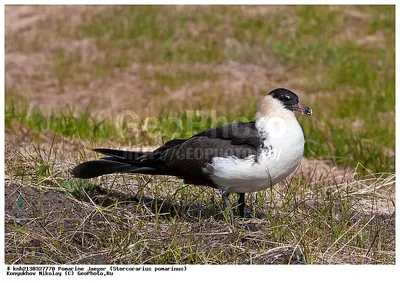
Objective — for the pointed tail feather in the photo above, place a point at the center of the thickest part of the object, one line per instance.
(119, 161)
(95, 168)
(127, 155)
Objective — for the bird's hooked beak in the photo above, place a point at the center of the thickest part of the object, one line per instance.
(302, 109)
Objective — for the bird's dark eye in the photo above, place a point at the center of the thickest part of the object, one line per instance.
(285, 98)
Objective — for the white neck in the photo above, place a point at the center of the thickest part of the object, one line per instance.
(270, 107)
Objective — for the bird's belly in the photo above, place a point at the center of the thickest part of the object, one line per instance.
(246, 175)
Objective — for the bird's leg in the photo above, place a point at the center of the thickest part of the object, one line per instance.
(242, 205)
(225, 195)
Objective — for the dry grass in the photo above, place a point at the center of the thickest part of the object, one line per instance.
(322, 214)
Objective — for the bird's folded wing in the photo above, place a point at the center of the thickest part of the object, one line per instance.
(239, 140)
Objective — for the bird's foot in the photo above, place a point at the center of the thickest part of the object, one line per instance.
(242, 205)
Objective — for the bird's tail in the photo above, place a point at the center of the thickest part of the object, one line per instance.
(118, 161)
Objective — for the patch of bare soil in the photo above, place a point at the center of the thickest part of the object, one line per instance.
(47, 218)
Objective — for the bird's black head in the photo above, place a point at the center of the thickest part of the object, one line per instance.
(290, 100)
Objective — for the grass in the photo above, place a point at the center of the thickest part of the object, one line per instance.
(79, 189)
(138, 27)
(129, 220)
(175, 80)
(359, 76)
(188, 69)
(337, 143)
(63, 123)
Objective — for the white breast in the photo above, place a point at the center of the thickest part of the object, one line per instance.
(282, 153)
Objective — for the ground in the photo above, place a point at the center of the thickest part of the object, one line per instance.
(163, 62)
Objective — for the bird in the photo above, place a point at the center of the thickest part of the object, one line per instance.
(241, 157)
